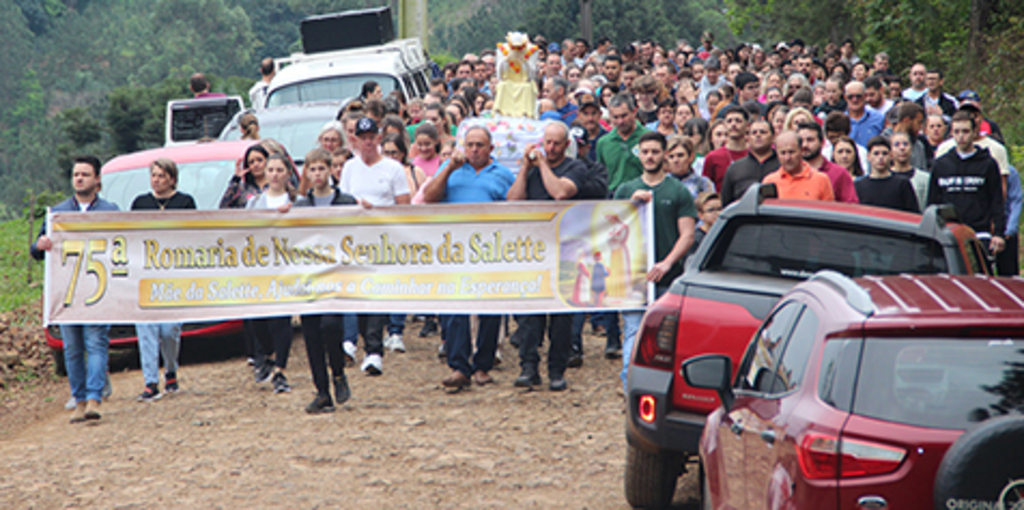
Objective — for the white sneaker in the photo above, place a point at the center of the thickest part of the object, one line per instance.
(71, 404)
(349, 349)
(394, 343)
(373, 364)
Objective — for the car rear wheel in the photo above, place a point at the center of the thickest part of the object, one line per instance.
(58, 363)
(984, 466)
(650, 478)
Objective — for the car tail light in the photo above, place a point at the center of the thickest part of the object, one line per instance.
(657, 342)
(648, 408)
(824, 456)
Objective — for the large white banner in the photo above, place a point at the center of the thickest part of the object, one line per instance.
(516, 257)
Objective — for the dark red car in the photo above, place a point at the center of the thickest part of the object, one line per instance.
(852, 392)
(758, 250)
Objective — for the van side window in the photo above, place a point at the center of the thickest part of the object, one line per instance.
(422, 85)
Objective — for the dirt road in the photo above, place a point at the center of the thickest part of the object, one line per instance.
(401, 442)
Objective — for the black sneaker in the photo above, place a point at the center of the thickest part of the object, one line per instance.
(320, 404)
(558, 383)
(528, 378)
(612, 352)
(263, 372)
(575, 360)
(342, 392)
(281, 384)
(171, 382)
(151, 393)
(429, 328)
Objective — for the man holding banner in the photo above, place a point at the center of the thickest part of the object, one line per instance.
(547, 175)
(675, 220)
(470, 177)
(86, 376)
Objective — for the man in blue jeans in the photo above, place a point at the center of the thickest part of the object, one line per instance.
(86, 377)
(470, 177)
(675, 220)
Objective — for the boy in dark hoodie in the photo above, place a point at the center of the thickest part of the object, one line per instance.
(969, 179)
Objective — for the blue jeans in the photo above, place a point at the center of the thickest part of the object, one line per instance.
(459, 342)
(350, 327)
(631, 326)
(156, 339)
(396, 324)
(86, 378)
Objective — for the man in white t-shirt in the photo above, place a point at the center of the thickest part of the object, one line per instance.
(370, 176)
(380, 181)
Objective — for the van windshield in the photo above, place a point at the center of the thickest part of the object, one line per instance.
(204, 180)
(334, 88)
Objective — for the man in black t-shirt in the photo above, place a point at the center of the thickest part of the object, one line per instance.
(547, 176)
(883, 188)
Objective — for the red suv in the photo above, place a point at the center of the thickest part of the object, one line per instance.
(852, 392)
(756, 251)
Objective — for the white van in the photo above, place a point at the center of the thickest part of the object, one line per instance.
(335, 75)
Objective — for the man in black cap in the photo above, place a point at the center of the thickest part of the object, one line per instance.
(589, 118)
(381, 182)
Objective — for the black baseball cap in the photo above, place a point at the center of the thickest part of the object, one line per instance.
(366, 125)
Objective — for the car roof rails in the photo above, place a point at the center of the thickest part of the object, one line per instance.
(855, 295)
(935, 217)
(754, 197)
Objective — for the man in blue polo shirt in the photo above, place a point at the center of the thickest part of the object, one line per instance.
(470, 177)
(864, 123)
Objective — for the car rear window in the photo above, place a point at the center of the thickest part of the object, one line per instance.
(334, 88)
(940, 383)
(205, 181)
(799, 250)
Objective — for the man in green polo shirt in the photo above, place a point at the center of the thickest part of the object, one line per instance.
(675, 220)
(617, 150)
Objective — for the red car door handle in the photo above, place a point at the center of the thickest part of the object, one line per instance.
(768, 436)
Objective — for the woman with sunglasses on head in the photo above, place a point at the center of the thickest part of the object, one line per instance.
(156, 339)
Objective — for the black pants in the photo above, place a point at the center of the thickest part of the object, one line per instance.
(371, 326)
(273, 336)
(559, 329)
(459, 342)
(323, 334)
(1007, 263)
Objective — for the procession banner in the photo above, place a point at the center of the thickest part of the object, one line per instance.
(181, 266)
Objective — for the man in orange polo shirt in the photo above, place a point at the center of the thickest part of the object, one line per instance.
(795, 179)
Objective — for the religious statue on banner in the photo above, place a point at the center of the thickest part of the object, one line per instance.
(517, 62)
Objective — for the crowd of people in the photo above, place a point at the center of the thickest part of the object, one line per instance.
(687, 129)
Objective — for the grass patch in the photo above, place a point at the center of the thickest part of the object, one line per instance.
(21, 277)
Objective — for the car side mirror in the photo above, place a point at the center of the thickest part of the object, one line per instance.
(711, 372)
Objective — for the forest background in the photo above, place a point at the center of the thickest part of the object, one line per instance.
(94, 75)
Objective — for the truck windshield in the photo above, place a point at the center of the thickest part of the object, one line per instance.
(794, 250)
(333, 88)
